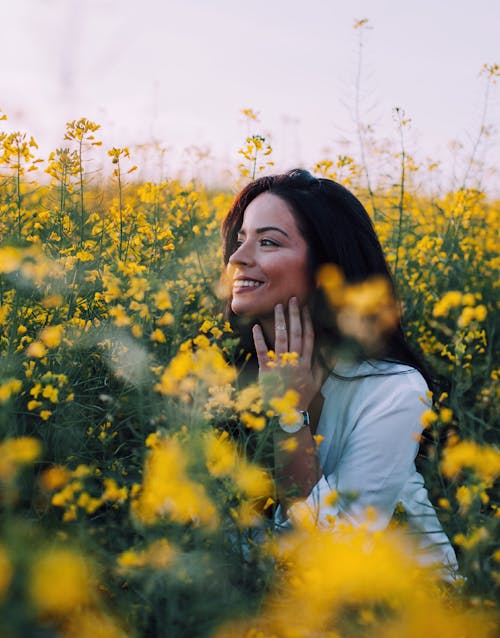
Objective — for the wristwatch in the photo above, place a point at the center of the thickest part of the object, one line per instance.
(303, 421)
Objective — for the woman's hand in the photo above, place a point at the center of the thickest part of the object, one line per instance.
(302, 375)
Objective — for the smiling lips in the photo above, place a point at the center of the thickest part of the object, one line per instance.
(246, 285)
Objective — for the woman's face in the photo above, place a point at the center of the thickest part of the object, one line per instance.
(269, 264)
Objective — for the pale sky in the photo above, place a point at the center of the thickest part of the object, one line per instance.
(180, 71)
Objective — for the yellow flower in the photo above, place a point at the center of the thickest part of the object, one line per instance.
(167, 491)
(465, 496)
(253, 480)
(36, 350)
(206, 365)
(158, 336)
(250, 398)
(476, 536)
(331, 279)
(7, 389)
(60, 582)
(483, 460)
(445, 415)
(54, 478)
(252, 421)
(52, 336)
(121, 319)
(289, 358)
(480, 313)
(289, 444)
(468, 299)
(17, 452)
(285, 406)
(221, 455)
(10, 259)
(136, 331)
(159, 555)
(466, 316)
(451, 299)
(428, 418)
(112, 492)
(52, 301)
(51, 393)
(444, 503)
(331, 498)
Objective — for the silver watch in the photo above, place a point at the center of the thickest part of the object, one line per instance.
(303, 421)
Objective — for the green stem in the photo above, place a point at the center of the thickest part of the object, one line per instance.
(401, 196)
(82, 207)
(120, 210)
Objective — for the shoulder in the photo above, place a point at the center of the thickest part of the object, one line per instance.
(377, 382)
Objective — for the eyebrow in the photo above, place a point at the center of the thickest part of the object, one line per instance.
(265, 229)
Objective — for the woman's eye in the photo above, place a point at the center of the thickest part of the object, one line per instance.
(268, 242)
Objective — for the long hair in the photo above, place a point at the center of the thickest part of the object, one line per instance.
(337, 230)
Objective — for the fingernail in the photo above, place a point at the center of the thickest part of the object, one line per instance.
(293, 300)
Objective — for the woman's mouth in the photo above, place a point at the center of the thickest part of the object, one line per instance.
(246, 285)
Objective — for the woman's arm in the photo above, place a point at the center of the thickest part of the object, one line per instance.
(297, 467)
(380, 419)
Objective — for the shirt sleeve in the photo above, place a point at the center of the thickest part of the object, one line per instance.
(378, 455)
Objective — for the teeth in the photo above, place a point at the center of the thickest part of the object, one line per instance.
(246, 283)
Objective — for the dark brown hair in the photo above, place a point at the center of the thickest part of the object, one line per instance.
(337, 230)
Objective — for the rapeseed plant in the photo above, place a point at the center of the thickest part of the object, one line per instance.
(126, 439)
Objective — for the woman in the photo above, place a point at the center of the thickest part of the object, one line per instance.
(277, 235)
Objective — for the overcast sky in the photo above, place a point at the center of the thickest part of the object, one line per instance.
(180, 71)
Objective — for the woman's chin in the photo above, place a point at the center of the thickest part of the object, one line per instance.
(242, 310)
(245, 310)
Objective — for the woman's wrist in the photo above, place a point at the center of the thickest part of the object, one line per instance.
(291, 426)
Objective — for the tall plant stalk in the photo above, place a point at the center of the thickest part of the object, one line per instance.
(361, 26)
(402, 122)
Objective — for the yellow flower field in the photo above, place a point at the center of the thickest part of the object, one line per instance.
(134, 489)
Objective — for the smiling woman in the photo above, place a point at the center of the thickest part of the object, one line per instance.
(269, 265)
(280, 234)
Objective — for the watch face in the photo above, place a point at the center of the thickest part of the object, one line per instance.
(291, 429)
(302, 421)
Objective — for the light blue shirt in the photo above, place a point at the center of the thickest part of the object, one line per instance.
(371, 423)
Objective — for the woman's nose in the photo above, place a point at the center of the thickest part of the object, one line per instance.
(242, 255)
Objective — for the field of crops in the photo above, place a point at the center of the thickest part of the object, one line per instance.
(126, 508)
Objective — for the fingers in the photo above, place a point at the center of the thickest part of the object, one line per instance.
(298, 338)
(281, 334)
(260, 346)
(295, 324)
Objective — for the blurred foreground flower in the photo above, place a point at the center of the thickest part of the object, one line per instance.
(168, 492)
(355, 583)
(158, 555)
(61, 581)
(14, 453)
(366, 312)
(197, 361)
(483, 460)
